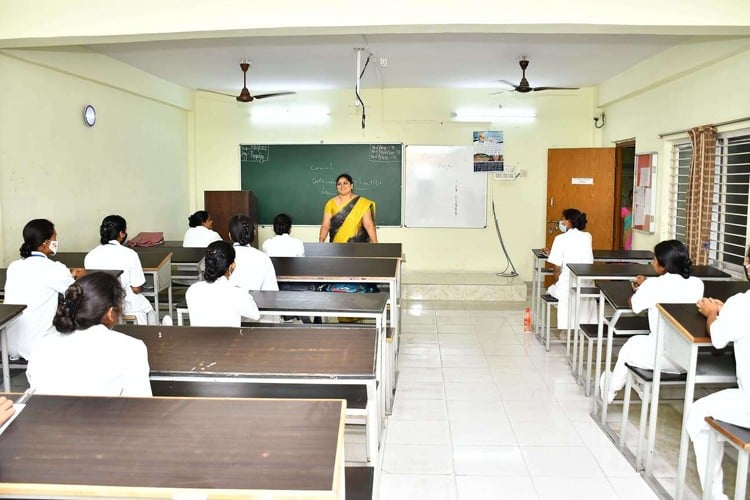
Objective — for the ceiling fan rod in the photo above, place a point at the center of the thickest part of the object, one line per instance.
(356, 75)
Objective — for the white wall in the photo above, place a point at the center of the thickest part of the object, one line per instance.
(132, 162)
(414, 116)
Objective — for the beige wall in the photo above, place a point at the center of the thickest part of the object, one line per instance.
(709, 93)
(132, 162)
(415, 116)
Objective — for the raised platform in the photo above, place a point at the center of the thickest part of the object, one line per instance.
(419, 285)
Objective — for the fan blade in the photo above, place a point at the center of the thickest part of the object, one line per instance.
(214, 92)
(263, 96)
(537, 89)
(506, 82)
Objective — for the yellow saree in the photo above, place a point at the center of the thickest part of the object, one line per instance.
(346, 220)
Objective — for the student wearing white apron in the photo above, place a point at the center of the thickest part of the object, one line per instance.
(216, 301)
(573, 246)
(201, 233)
(283, 244)
(82, 355)
(111, 254)
(674, 285)
(35, 281)
(727, 322)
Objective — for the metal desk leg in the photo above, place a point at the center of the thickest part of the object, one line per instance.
(156, 294)
(684, 438)
(655, 387)
(6, 361)
(599, 342)
(372, 424)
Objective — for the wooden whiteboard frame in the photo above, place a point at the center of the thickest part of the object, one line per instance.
(644, 192)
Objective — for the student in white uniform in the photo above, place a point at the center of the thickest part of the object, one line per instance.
(82, 356)
(727, 322)
(674, 285)
(36, 281)
(111, 254)
(254, 268)
(283, 245)
(573, 246)
(201, 233)
(217, 302)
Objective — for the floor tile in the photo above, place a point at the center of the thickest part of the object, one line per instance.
(555, 488)
(561, 462)
(470, 391)
(489, 461)
(427, 432)
(632, 488)
(417, 487)
(553, 432)
(417, 459)
(495, 488)
(468, 432)
(419, 409)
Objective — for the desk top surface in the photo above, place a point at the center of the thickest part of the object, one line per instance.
(368, 303)
(327, 268)
(152, 446)
(619, 292)
(180, 255)
(374, 250)
(258, 352)
(686, 319)
(609, 255)
(9, 311)
(151, 261)
(625, 270)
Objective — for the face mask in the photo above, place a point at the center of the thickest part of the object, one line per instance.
(52, 246)
(562, 226)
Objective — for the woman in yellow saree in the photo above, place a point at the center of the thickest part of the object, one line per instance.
(348, 217)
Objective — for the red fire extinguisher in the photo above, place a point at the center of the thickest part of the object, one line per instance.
(527, 320)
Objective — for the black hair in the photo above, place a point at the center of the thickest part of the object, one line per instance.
(35, 232)
(111, 227)
(345, 176)
(198, 218)
(219, 256)
(241, 229)
(282, 224)
(673, 256)
(87, 300)
(576, 218)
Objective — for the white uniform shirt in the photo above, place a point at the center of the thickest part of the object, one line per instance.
(283, 245)
(732, 326)
(254, 269)
(92, 362)
(571, 247)
(199, 237)
(219, 304)
(666, 289)
(115, 256)
(36, 282)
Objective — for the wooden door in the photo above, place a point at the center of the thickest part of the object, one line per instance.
(222, 205)
(582, 178)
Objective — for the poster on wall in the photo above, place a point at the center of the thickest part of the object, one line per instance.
(488, 151)
(644, 192)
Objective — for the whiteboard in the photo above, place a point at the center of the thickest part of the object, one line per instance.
(442, 189)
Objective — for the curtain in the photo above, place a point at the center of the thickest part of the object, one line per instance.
(700, 192)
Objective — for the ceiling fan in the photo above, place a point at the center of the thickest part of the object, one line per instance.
(245, 95)
(524, 87)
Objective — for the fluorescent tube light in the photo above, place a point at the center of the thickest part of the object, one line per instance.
(492, 115)
(289, 115)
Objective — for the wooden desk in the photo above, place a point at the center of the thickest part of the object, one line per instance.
(156, 265)
(372, 250)
(680, 334)
(336, 270)
(184, 260)
(540, 259)
(247, 362)
(8, 313)
(62, 446)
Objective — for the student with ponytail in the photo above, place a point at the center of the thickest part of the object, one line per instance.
(674, 285)
(36, 281)
(254, 268)
(112, 254)
(83, 356)
(217, 302)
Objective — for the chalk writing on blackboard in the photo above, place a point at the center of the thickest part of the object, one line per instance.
(385, 152)
(254, 153)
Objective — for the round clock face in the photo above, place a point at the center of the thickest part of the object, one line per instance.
(89, 115)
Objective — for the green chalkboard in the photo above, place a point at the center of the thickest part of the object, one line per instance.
(299, 179)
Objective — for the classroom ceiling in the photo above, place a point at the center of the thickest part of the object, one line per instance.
(302, 63)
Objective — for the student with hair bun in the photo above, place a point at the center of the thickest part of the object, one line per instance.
(35, 281)
(200, 234)
(217, 302)
(112, 254)
(254, 269)
(675, 285)
(573, 246)
(283, 244)
(83, 356)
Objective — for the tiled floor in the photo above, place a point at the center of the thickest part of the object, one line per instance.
(483, 412)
